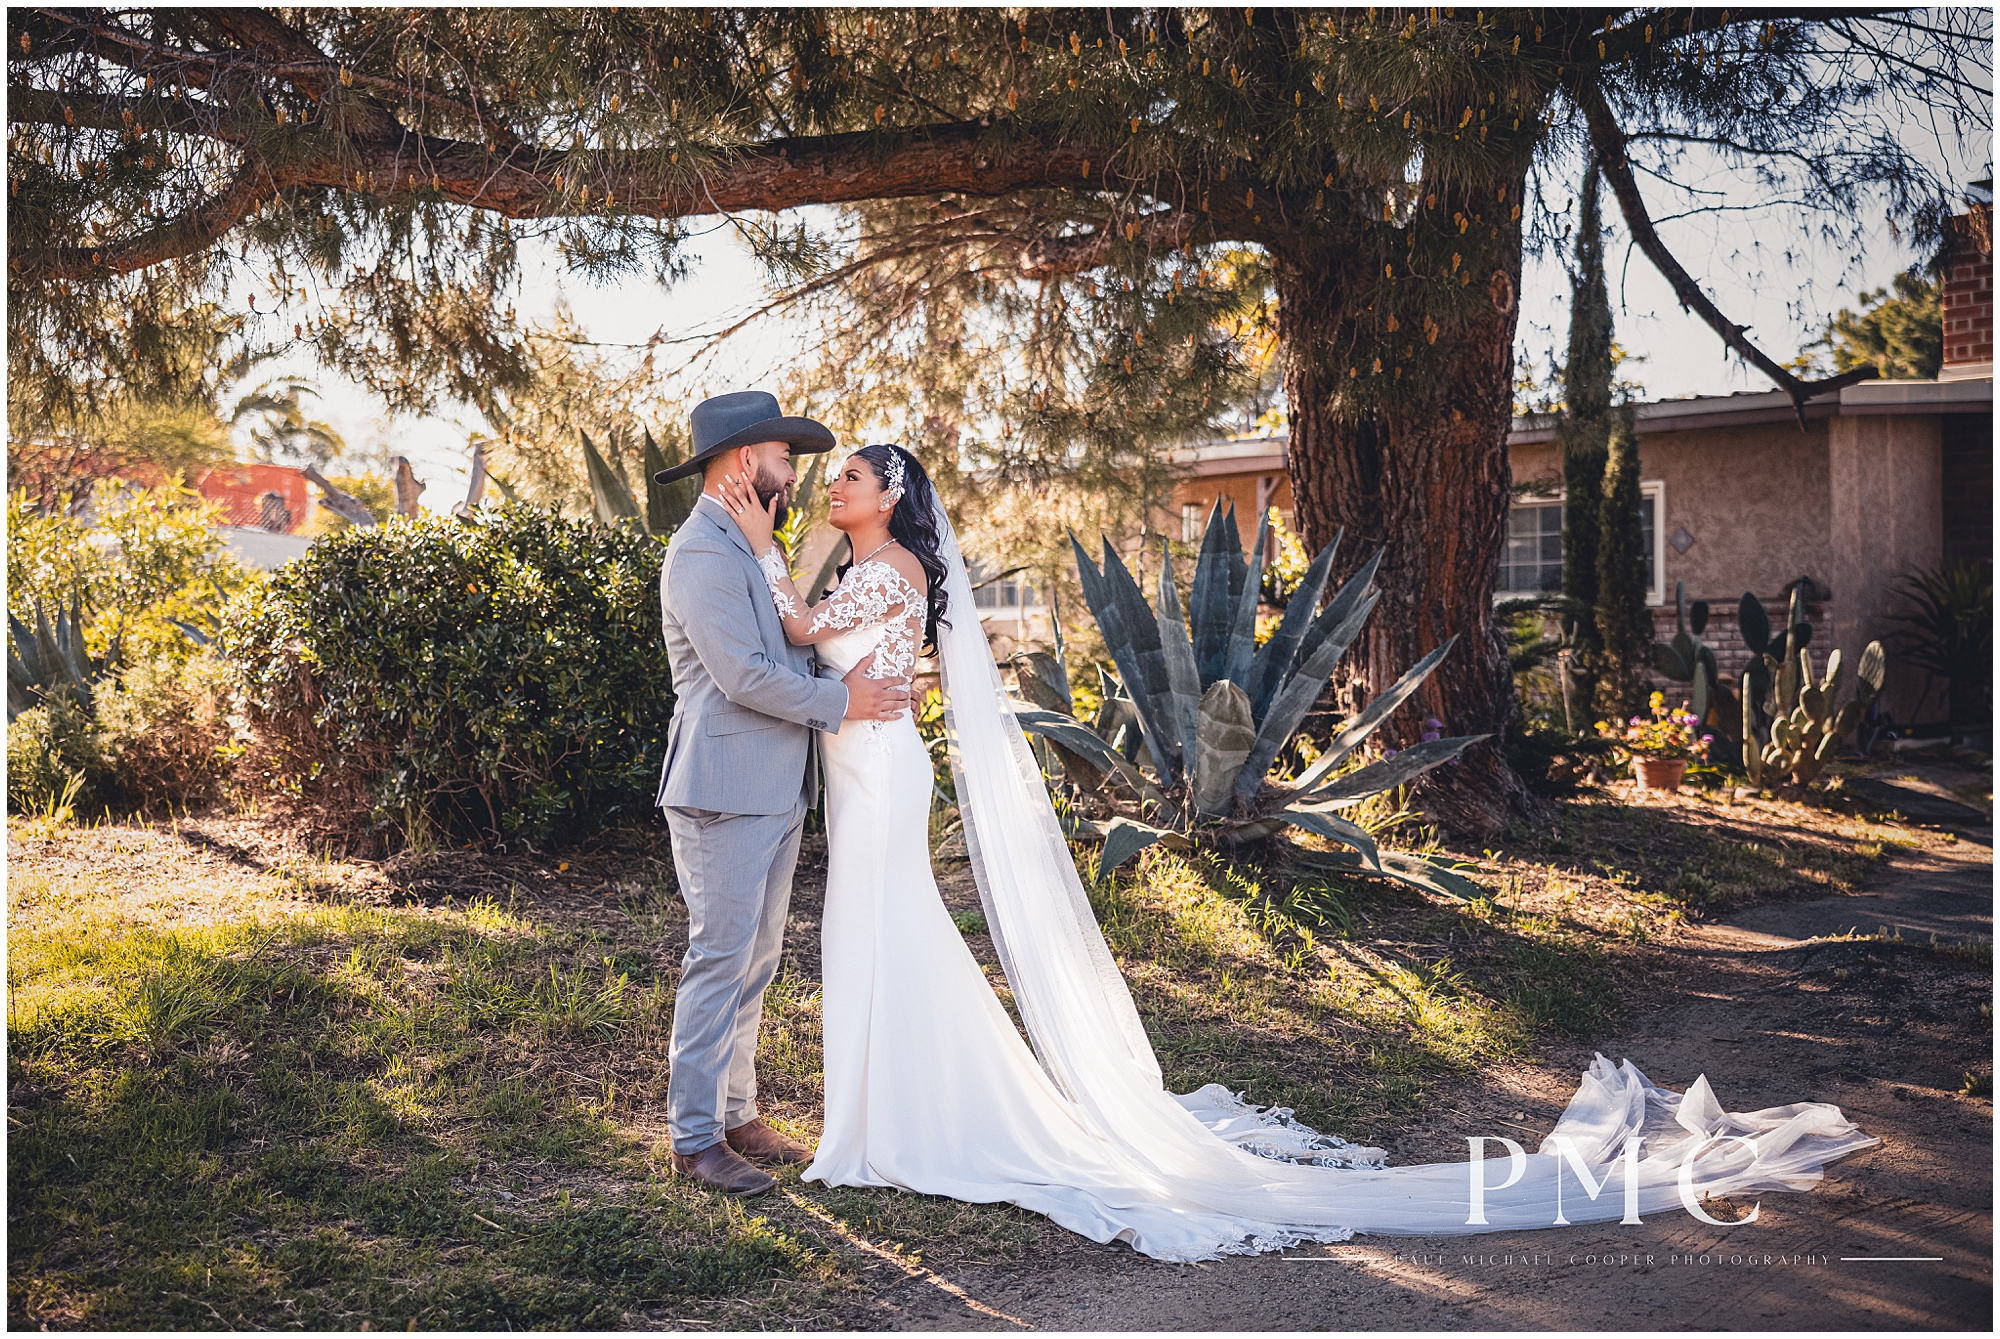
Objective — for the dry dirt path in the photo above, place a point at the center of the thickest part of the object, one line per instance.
(1771, 1014)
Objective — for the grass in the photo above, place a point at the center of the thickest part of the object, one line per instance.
(308, 1115)
(1342, 1000)
(252, 1088)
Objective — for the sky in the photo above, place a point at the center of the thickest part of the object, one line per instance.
(1759, 265)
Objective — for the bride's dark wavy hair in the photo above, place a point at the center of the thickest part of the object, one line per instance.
(913, 524)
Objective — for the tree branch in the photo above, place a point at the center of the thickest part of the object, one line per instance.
(196, 230)
(956, 159)
(275, 51)
(1628, 38)
(107, 111)
(1609, 141)
(1052, 257)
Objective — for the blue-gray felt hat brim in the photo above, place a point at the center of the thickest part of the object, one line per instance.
(725, 422)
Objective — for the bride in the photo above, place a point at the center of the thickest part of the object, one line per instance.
(929, 1086)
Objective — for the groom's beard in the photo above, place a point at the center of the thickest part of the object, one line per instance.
(768, 488)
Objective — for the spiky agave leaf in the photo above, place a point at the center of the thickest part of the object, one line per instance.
(1243, 630)
(1132, 638)
(1364, 724)
(1273, 660)
(1345, 791)
(1301, 690)
(667, 505)
(610, 497)
(1074, 735)
(1338, 608)
(1224, 736)
(51, 655)
(1114, 713)
(1127, 837)
(1183, 675)
(1402, 867)
(1338, 829)
(24, 668)
(1210, 608)
(1044, 681)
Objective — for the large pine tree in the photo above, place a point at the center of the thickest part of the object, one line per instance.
(366, 174)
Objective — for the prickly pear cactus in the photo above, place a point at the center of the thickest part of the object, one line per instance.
(1806, 722)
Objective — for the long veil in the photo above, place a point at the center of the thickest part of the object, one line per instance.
(1245, 1179)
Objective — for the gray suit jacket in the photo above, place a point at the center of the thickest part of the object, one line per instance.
(746, 700)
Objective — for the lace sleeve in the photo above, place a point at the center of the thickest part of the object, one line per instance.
(776, 576)
(875, 593)
(864, 597)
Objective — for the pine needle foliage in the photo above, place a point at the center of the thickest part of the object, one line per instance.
(368, 174)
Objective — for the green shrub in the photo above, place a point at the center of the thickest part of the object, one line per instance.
(164, 731)
(53, 758)
(500, 677)
(149, 557)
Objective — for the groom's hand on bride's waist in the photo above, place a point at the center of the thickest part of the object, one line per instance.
(874, 699)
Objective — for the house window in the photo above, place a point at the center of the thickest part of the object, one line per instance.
(1013, 593)
(1532, 562)
(1191, 518)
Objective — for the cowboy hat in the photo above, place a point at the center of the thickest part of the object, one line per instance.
(725, 422)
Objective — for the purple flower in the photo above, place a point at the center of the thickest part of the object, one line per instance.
(1708, 739)
(1433, 723)
(1431, 736)
(1388, 754)
(1638, 720)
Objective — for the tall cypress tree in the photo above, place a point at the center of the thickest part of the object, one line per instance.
(1586, 441)
(1624, 625)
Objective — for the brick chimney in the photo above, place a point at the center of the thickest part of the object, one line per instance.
(1968, 288)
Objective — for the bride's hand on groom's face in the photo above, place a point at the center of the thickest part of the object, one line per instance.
(874, 699)
(756, 519)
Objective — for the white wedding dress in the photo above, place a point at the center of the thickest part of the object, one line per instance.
(930, 1087)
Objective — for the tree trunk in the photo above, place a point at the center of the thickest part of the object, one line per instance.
(1423, 473)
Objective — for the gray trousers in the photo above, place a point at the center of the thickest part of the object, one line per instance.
(736, 877)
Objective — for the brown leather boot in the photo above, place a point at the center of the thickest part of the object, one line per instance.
(718, 1168)
(758, 1140)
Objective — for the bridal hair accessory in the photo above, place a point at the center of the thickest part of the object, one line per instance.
(892, 478)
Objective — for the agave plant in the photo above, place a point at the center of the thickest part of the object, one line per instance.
(50, 656)
(667, 505)
(1947, 631)
(1186, 745)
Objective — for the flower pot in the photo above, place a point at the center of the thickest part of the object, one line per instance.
(1659, 773)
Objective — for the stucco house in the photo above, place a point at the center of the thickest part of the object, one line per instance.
(267, 510)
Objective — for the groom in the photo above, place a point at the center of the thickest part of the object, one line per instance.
(738, 779)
